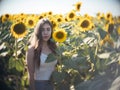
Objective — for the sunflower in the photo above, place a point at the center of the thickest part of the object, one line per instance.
(40, 16)
(54, 23)
(78, 18)
(31, 21)
(59, 19)
(108, 16)
(6, 17)
(77, 6)
(50, 13)
(59, 35)
(18, 30)
(71, 15)
(19, 17)
(100, 16)
(85, 24)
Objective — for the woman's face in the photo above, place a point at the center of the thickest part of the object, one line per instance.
(46, 32)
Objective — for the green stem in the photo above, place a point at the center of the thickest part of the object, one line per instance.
(16, 47)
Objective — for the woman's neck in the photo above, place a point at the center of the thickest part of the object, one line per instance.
(45, 48)
(44, 45)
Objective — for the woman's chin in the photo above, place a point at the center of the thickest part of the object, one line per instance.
(45, 40)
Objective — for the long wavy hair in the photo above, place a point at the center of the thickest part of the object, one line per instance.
(36, 40)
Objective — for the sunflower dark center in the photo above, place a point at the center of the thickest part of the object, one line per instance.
(102, 18)
(59, 20)
(71, 15)
(85, 24)
(50, 13)
(30, 22)
(78, 6)
(60, 35)
(108, 16)
(40, 17)
(19, 28)
(7, 16)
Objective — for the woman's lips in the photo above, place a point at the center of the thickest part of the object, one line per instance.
(45, 36)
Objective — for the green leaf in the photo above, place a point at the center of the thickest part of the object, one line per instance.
(102, 33)
(51, 57)
(19, 65)
(11, 63)
(58, 76)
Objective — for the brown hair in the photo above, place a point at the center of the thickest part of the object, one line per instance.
(36, 40)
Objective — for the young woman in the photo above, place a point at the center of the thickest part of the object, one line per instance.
(40, 47)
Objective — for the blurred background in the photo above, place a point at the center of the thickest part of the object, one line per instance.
(57, 6)
(89, 42)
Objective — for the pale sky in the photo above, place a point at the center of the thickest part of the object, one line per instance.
(59, 6)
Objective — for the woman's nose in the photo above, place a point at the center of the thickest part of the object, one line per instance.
(45, 32)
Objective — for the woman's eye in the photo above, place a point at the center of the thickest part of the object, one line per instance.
(48, 29)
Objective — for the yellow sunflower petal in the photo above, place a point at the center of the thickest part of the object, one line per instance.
(31, 21)
(85, 24)
(59, 35)
(77, 6)
(71, 15)
(18, 30)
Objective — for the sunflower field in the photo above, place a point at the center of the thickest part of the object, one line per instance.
(89, 50)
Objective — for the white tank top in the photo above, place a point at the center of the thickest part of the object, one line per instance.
(45, 70)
